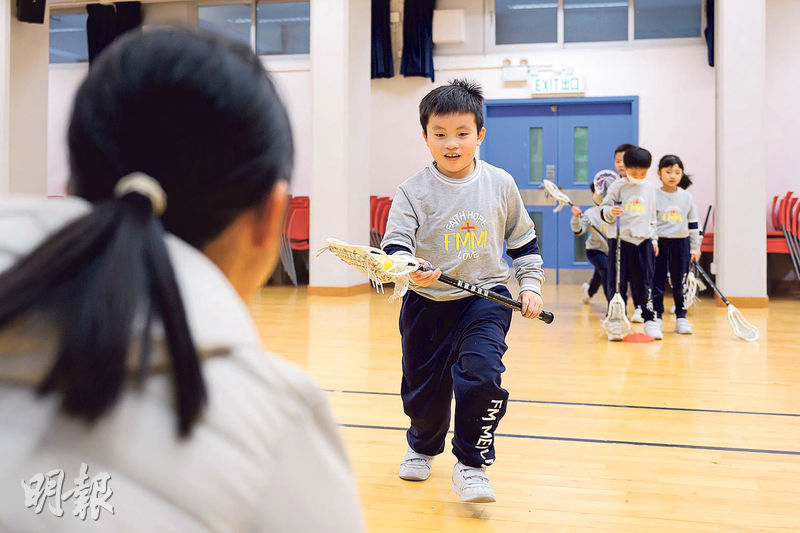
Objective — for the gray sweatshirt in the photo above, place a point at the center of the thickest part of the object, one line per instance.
(460, 226)
(584, 222)
(677, 217)
(638, 220)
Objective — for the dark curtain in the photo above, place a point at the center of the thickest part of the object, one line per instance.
(100, 30)
(418, 39)
(105, 23)
(129, 16)
(709, 33)
(382, 65)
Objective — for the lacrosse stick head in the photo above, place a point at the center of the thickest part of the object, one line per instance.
(690, 290)
(377, 265)
(602, 181)
(551, 189)
(741, 327)
(616, 323)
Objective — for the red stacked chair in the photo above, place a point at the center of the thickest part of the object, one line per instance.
(383, 217)
(297, 220)
(378, 213)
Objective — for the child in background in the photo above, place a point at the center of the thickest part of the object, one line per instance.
(678, 238)
(458, 213)
(596, 245)
(619, 154)
(619, 166)
(633, 201)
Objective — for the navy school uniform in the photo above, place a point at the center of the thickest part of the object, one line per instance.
(678, 239)
(456, 348)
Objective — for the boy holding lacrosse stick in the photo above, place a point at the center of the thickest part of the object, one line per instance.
(619, 166)
(633, 201)
(597, 243)
(458, 213)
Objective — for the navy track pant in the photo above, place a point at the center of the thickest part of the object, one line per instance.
(449, 347)
(673, 256)
(636, 267)
(599, 279)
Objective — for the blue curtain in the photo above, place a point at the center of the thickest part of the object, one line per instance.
(709, 33)
(105, 23)
(382, 64)
(418, 39)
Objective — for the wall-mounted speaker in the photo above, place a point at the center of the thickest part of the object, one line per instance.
(31, 11)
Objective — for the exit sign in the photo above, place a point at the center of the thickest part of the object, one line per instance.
(549, 85)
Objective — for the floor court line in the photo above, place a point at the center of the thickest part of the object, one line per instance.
(619, 406)
(604, 441)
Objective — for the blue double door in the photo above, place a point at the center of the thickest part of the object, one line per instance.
(567, 141)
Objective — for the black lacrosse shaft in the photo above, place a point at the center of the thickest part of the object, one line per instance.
(545, 316)
(713, 286)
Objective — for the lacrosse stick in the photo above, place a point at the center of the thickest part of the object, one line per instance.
(382, 268)
(741, 327)
(690, 288)
(693, 286)
(551, 189)
(616, 322)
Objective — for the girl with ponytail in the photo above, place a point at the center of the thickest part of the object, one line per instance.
(124, 340)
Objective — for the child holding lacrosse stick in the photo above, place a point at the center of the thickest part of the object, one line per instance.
(632, 200)
(678, 230)
(458, 213)
(619, 166)
(596, 244)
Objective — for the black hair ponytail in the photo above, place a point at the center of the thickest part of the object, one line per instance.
(90, 280)
(198, 114)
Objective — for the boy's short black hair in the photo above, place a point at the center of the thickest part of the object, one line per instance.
(623, 148)
(637, 157)
(459, 96)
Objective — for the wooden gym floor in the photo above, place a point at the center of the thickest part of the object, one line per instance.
(693, 433)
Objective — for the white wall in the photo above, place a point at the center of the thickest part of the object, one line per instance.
(27, 110)
(5, 85)
(674, 84)
(292, 77)
(64, 82)
(782, 109)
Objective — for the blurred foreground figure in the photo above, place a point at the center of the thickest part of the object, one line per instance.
(135, 394)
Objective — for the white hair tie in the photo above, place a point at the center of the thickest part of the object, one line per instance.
(141, 183)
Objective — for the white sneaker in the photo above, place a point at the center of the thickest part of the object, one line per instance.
(637, 316)
(683, 327)
(472, 484)
(415, 466)
(585, 293)
(651, 328)
(660, 324)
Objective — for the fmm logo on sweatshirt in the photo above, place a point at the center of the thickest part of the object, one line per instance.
(672, 214)
(635, 206)
(463, 232)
